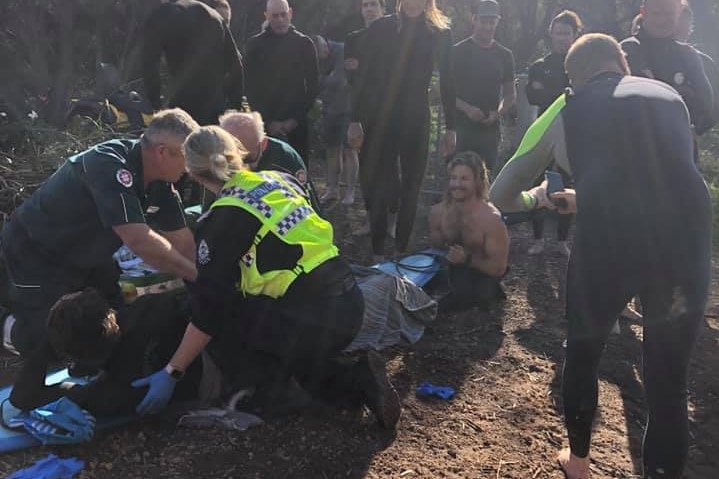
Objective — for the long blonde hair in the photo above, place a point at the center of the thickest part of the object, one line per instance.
(475, 163)
(213, 154)
(434, 15)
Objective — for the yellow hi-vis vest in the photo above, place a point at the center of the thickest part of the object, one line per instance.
(283, 211)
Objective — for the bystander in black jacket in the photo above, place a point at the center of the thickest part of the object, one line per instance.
(676, 64)
(206, 74)
(282, 80)
(711, 69)
(390, 99)
(547, 80)
(353, 50)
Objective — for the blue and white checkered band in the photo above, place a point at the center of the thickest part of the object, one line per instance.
(264, 209)
(292, 219)
(276, 185)
(248, 259)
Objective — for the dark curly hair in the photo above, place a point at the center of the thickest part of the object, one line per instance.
(82, 326)
(571, 18)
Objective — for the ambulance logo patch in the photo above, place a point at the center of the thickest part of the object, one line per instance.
(203, 253)
(679, 78)
(124, 177)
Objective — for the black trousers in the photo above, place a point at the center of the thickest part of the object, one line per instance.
(299, 140)
(673, 284)
(268, 341)
(469, 288)
(37, 281)
(482, 140)
(392, 167)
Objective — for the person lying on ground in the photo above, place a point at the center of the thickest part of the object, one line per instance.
(636, 233)
(472, 230)
(271, 284)
(62, 238)
(124, 344)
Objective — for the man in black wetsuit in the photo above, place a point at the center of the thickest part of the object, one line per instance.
(206, 74)
(282, 77)
(654, 53)
(643, 227)
(371, 10)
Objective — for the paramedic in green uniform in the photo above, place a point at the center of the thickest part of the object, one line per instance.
(62, 238)
(270, 281)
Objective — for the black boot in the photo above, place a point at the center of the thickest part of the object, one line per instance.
(379, 395)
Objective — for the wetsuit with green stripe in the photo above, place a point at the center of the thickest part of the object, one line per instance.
(643, 227)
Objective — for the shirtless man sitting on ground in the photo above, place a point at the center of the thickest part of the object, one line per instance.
(472, 231)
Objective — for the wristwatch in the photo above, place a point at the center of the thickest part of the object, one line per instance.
(174, 373)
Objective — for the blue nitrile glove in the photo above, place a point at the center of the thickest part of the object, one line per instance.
(52, 467)
(442, 392)
(161, 386)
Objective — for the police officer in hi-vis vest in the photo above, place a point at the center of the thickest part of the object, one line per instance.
(272, 282)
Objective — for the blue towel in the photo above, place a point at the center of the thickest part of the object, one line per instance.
(60, 422)
(442, 392)
(52, 467)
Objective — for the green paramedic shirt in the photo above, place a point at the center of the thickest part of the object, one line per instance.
(71, 215)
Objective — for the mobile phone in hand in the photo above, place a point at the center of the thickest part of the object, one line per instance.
(555, 183)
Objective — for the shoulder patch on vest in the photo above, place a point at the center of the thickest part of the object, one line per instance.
(124, 177)
(203, 253)
(301, 176)
(679, 78)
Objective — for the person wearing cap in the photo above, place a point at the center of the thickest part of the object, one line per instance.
(62, 238)
(483, 72)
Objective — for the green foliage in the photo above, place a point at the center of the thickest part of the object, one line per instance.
(709, 166)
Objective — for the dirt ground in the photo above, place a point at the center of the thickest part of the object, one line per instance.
(504, 422)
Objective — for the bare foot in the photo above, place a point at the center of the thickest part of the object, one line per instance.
(574, 467)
